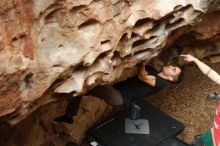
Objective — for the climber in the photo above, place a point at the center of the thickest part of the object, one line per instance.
(212, 136)
(146, 83)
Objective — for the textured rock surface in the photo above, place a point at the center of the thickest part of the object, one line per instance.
(79, 44)
(91, 110)
(40, 129)
(203, 39)
(70, 46)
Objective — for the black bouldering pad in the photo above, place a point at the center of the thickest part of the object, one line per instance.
(112, 131)
(172, 142)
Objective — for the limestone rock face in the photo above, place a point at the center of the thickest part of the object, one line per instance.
(71, 46)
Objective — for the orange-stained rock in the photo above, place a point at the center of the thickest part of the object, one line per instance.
(10, 102)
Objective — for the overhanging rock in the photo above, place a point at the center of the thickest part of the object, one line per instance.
(74, 45)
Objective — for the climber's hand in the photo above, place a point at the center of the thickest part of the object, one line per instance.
(188, 57)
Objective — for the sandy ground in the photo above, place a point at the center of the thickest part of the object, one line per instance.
(187, 101)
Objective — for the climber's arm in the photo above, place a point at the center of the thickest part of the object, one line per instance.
(213, 75)
(143, 75)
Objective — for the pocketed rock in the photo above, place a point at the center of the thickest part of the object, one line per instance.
(57, 48)
(77, 45)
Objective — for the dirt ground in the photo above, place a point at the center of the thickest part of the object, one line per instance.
(187, 101)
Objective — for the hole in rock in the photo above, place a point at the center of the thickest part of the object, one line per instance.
(145, 50)
(101, 56)
(133, 35)
(175, 24)
(52, 16)
(28, 80)
(124, 37)
(105, 45)
(14, 39)
(22, 36)
(143, 42)
(142, 22)
(123, 40)
(61, 45)
(186, 8)
(138, 43)
(43, 39)
(77, 8)
(88, 23)
(105, 42)
(178, 7)
(90, 29)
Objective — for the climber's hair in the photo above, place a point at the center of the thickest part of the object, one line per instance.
(178, 78)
